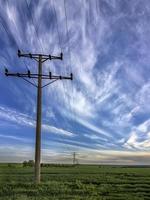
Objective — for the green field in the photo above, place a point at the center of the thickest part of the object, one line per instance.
(75, 182)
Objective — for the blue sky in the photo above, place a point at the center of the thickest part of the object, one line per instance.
(104, 113)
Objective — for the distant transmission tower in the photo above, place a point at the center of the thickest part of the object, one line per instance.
(75, 161)
(40, 58)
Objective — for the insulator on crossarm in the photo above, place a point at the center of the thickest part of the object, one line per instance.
(50, 75)
(61, 56)
(29, 73)
(19, 53)
(30, 55)
(6, 71)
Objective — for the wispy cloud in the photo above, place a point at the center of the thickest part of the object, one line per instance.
(11, 137)
(12, 116)
(139, 137)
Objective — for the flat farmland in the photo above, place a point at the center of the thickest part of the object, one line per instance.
(91, 182)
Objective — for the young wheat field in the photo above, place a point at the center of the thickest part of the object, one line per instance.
(91, 182)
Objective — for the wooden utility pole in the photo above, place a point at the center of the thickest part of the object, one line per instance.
(38, 125)
(40, 58)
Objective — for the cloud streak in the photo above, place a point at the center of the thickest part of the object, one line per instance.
(12, 116)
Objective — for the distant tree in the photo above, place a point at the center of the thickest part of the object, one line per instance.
(29, 163)
(25, 163)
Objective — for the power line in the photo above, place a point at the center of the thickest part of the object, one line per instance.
(69, 51)
(35, 27)
(58, 33)
(67, 30)
(6, 30)
(70, 60)
(63, 84)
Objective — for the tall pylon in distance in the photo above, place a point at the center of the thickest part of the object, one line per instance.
(40, 59)
(75, 161)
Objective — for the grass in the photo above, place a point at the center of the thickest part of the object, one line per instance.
(75, 183)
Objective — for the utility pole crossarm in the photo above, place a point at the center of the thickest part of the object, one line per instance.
(35, 76)
(43, 56)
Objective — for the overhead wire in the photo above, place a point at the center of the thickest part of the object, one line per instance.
(61, 137)
(8, 32)
(35, 27)
(59, 39)
(5, 29)
(70, 63)
(67, 32)
(69, 50)
(58, 33)
(61, 49)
